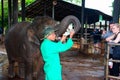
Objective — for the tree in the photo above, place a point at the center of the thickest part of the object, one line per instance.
(6, 10)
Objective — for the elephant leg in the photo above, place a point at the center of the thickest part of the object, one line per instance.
(40, 75)
(11, 72)
(39, 70)
(28, 69)
(21, 67)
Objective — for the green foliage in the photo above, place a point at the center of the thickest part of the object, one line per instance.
(77, 2)
(5, 2)
(28, 2)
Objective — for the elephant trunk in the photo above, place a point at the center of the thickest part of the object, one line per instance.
(61, 28)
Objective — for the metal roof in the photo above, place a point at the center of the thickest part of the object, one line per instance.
(62, 9)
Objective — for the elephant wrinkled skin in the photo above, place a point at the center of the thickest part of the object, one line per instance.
(22, 43)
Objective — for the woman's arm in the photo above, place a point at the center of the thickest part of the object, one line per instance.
(116, 40)
(72, 32)
(110, 38)
(60, 46)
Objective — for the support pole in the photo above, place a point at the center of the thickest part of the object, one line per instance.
(82, 17)
(9, 13)
(116, 11)
(53, 8)
(23, 10)
(2, 5)
(53, 11)
(15, 11)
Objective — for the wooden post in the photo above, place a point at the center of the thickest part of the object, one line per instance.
(82, 17)
(23, 10)
(53, 8)
(15, 11)
(116, 11)
(9, 13)
(2, 5)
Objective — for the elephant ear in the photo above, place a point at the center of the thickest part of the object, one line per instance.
(61, 28)
(32, 38)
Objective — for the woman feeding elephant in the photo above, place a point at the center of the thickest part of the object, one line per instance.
(50, 52)
(27, 38)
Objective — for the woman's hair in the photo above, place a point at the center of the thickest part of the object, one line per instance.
(117, 25)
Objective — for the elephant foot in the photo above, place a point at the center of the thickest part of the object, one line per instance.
(21, 70)
(11, 72)
(21, 73)
(28, 77)
(35, 74)
(11, 75)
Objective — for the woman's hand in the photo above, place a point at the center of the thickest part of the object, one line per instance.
(63, 38)
(72, 32)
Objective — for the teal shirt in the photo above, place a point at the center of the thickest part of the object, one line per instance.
(50, 52)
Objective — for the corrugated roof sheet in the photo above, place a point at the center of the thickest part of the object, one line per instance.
(62, 9)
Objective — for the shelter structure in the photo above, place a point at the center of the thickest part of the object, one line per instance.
(59, 9)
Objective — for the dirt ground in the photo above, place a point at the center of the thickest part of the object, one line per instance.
(75, 64)
(78, 66)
